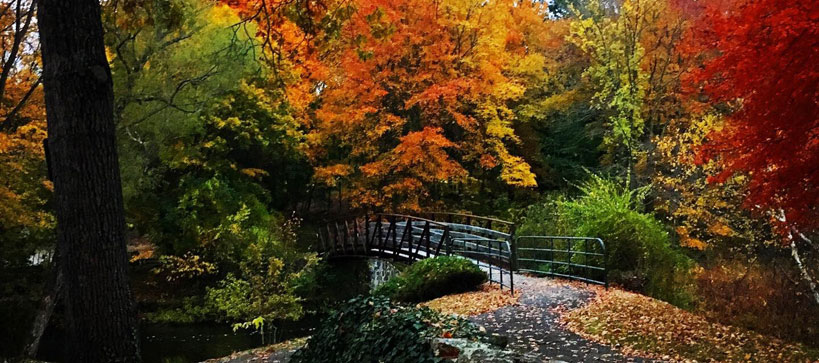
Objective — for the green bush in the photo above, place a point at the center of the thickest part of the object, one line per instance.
(640, 252)
(432, 278)
(371, 329)
(265, 283)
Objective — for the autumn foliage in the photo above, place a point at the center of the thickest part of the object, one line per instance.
(761, 61)
(418, 95)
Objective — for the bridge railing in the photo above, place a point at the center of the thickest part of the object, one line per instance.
(491, 223)
(385, 235)
(411, 238)
(488, 242)
(577, 258)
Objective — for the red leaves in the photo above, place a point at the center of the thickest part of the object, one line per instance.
(766, 68)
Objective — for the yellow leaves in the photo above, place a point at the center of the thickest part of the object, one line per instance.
(688, 241)
(253, 172)
(515, 171)
(24, 191)
(721, 229)
(709, 212)
(222, 14)
(329, 175)
(109, 55)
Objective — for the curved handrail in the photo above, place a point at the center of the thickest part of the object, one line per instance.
(414, 218)
(471, 216)
(599, 241)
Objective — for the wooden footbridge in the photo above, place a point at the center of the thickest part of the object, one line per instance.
(488, 242)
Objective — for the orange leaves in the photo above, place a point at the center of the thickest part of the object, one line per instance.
(416, 95)
(489, 298)
(329, 175)
(421, 154)
(652, 328)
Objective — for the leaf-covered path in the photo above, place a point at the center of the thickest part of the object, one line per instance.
(533, 328)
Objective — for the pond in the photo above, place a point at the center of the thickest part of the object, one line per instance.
(342, 280)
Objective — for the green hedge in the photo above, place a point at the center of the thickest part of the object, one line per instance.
(432, 278)
(371, 329)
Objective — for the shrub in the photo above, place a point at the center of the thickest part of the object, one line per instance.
(640, 252)
(371, 329)
(264, 285)
(432, 278)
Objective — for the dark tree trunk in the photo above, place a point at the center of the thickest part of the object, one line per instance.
(100, 314)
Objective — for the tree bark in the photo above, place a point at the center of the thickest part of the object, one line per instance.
(52, 293)
(100, 313)
(802, 269)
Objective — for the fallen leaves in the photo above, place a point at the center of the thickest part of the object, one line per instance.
(261, 354)
(640, 325)
(488, 298)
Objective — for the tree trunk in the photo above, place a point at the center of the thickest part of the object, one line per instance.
(100, 314)
(52, 292)
(802, 269)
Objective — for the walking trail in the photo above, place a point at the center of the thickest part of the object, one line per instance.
(533, 328)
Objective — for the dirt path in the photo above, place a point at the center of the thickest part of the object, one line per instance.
(533, 328)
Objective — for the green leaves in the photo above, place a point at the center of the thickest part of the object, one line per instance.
(372, 329)
(434, 277)
(615, 72)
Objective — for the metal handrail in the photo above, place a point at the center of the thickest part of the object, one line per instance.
(395, 236)
(569, 252)
(470, 216)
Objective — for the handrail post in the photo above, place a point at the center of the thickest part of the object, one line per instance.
(513, 257)
(407, 232)
(489, 262)
(500, 260)
(443, 242)
(394, 225)
(380, 226)
(605, 263)
(357, 232)
(366, 234)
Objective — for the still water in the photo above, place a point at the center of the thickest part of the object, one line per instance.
(196, 342)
